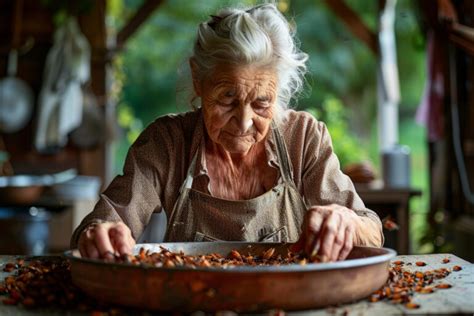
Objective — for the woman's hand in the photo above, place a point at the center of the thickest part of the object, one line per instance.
(103, 240)
(328, 232)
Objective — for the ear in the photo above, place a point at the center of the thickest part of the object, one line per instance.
(194, 73)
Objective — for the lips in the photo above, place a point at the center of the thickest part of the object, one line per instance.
(239, 135)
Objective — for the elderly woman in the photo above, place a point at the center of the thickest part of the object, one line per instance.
(241, 166)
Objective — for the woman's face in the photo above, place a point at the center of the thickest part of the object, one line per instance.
(238, 103)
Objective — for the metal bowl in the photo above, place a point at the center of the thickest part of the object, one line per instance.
(241, 289)
(26, 189)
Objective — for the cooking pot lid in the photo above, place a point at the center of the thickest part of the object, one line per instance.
(25, 180)
(27, 213)
(16, 104)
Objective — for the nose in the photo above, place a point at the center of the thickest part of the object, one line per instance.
(244, 118)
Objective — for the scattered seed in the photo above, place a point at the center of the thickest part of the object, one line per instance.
(28, 302)
(389, 224)
(443, 286)
(403, 284)
(446, 260)
(398, 262)
(234, 254)
(268, 253)
(420, 263)
(211, 293)
(9, 267)
(457, 268)
(9, 301)
(411, 305)
(46, 284)
(426, 290)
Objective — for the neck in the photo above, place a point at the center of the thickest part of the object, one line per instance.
(241, 176)
(236, 160)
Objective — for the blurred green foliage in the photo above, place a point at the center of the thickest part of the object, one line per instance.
(347, 147)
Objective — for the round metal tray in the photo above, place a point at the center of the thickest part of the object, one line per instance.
(241, 289)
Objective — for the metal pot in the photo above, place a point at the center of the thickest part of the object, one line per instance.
(27, 189)
(24, 230)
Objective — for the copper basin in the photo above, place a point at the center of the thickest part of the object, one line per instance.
(240, 289)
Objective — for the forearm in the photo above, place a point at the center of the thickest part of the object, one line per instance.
(369, 230)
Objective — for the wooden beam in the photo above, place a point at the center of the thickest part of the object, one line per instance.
(354, 23)
(462, 36)
(16, 23)
(147, 8)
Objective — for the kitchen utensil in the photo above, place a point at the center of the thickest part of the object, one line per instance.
(25, 230)
(26, 189)
(241, 289)
(16, 97)
(79, 187)
(396, 167)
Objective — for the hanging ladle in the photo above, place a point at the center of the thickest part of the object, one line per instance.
(16, 97)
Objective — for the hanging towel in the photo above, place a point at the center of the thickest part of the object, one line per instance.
(430, 112)
(61, 98)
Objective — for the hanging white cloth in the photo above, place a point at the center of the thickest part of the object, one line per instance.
(61, 99)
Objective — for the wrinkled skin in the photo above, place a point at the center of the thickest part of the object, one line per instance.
(106, 239)
(238, 104)
(329, 232)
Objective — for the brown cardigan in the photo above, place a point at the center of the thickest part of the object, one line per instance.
(157, 163)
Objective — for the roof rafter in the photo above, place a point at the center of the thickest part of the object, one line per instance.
(147, 8)
(354, 23)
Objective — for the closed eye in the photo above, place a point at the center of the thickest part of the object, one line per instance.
(262, 102)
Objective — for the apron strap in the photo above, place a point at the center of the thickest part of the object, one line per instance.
(188, 182)
(285, 166)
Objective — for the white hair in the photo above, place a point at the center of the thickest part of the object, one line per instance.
(258, 36)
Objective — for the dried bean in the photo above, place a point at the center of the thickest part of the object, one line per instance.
(403, 284)
(411, 305)
(9, 267)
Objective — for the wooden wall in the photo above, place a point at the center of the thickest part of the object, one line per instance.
(37, 24)
(461, 95)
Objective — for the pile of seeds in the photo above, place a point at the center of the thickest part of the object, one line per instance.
(403, 284)
(45, 283)
(48, 284)
(168, 259)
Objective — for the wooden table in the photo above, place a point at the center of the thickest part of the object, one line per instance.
(457, 300)
(393, 202)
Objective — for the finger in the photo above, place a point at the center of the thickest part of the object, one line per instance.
(120, 235)
(348, 244)
(313, 230)
(91, 250)
(82, 250)
(102, 241)
(328, 235)
(85, 239)
(339, 242)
